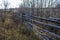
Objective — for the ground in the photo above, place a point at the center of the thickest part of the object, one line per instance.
(10, 30)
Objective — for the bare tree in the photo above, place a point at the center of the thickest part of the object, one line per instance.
(5, 4)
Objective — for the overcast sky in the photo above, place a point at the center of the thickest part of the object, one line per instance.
(12, 3)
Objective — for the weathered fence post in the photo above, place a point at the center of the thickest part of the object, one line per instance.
(23, 17)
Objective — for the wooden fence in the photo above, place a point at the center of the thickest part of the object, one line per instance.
(48, 28)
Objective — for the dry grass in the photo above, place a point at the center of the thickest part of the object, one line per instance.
(10, 30)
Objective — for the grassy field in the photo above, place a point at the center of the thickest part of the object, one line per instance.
(10, 30)
(18, 34)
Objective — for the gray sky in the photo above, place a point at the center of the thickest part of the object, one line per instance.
(12, 3)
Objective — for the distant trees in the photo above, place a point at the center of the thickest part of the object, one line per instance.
(5, 4)
(40, 3)
(58, 5)
(57, 10)
(42, 8)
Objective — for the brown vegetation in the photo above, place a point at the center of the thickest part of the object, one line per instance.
(12, 29)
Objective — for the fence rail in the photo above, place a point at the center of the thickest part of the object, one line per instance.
(55, 20)
(31, 21)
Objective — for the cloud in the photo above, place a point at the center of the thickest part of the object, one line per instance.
(15, 3)
(12, 3)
